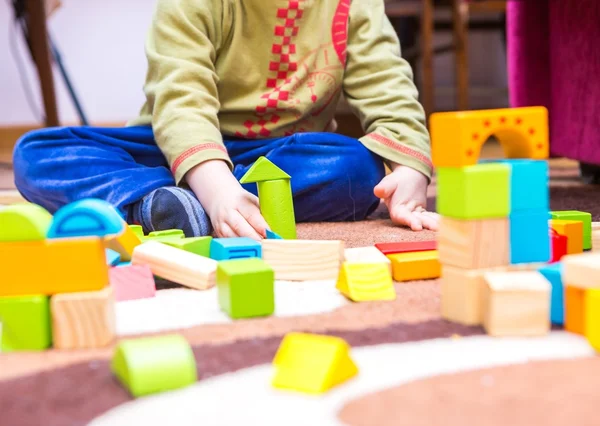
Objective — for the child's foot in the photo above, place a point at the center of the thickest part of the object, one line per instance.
(172, 208)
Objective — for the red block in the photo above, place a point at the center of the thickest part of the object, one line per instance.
(559, 245)
(406, 246)
(132, 282)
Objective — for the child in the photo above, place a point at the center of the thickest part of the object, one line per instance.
(229, 81)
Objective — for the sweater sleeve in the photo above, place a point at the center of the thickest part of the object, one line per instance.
(378, 86)
(181, 82)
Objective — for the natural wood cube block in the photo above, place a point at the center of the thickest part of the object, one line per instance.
(582, 270)
(474, 244)
(516, 304)
(83, 320)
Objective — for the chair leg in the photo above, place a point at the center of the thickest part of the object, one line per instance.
(428, 83)
(40, 51)
(460, 22)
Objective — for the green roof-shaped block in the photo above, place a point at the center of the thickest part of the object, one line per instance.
(24, 222)
(263, 170)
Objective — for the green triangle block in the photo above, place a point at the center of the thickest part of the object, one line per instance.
(263, 170)
(24, 222)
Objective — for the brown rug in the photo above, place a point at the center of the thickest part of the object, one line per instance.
(72, 387)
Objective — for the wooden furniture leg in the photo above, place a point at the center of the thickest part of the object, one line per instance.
(38, 35)
(428, 84)
(460, 23)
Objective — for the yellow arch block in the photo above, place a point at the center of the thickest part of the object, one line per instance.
(457, 137)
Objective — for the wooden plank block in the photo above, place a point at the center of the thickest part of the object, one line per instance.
(406, 246)
(132, 282)
(53, 266)
(366, 255)
(421, 265)
(83, 320)
(474, 244)
(516, 304)
(178, 266)
(575, 314)
(582, 270)
(301, 260)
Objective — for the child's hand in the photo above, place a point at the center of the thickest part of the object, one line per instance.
(233, 211)
(404, 192)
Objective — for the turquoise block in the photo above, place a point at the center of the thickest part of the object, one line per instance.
(272, 235)
(89, 217)
(121, 264)
(234, 248)
(553, 273)
(112, 257)
(529, 237)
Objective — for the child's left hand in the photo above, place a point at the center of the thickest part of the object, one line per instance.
(404, 192)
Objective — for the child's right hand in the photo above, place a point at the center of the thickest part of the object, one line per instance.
(233, 211)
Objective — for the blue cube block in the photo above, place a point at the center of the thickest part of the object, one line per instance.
(529, 183)
(529, 237)
(553, 273)
(234, 248)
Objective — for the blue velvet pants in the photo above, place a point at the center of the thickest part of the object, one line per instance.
(333, 176)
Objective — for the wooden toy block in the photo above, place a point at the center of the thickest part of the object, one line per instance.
(83, 320)
(582, 270)
(53, 266)
(274, 195)
(178, 266)
(87, 217)
(575, 314)
(595, 236)
(234, 248)
(559, 246)
(167, 234)
(312, 363)
(132, 282)
(592, 317)
(246, 288)
(516, 304)
(462, 294)
(137, 230)
(301, 260)
(366, 282)
(112, 257)
(573, 230)
(553, 273)
(406, 246)
(24, 222)
(529, 237)
(575, 215)
(366, 255)
(529, 184)
(457, 137)
(421, 265)
(474, 192)
(474, 244)
(272, 235)
(124, 243)
(25, 323)
(196, 245)
(152, 365)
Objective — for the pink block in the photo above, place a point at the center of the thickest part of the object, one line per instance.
(132, 282)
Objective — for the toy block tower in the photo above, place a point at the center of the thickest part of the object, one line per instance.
(494, 212)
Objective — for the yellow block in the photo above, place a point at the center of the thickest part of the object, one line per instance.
(457, 137)
(362, 282)
(124, 243)
(592, 317)
(573, 230)
(420, 265)
(312, 363)
(52, 266)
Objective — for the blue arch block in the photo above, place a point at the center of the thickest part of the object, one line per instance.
(89, 217)
(234, 248)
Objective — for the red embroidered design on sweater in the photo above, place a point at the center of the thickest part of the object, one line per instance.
(279, 70)
(339, 30)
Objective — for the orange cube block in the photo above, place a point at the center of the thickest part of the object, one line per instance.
(573, 230)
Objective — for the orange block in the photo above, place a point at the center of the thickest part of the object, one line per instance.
(53, 266)
(420, 265)
(573, 230)
(575, 310)
(124, 243)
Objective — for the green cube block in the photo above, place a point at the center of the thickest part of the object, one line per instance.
(481, 191)
(196, 245)
(584, 217)
(246, 288)
(25, 323)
